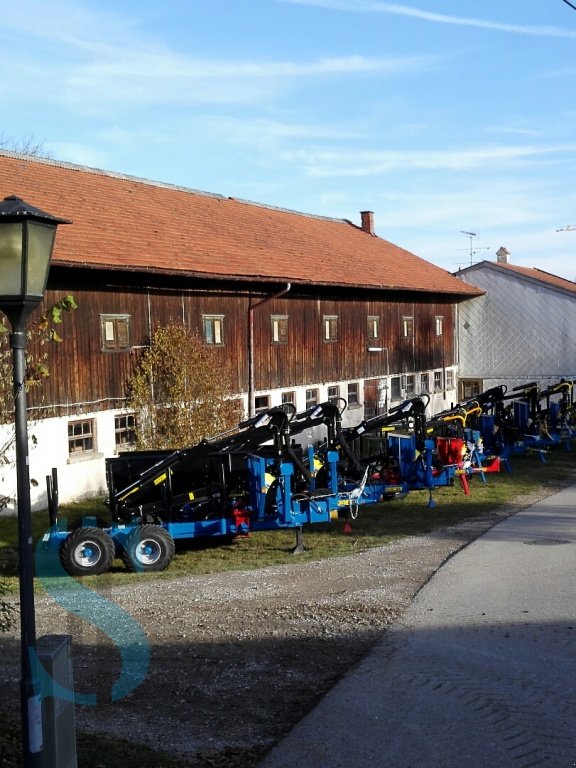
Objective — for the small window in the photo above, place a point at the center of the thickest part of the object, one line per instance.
(125, 430)
(261, 403)
(410, 385)
(373, 327)
(396, 388)
(437, 380)
(353, 393)
(289, 398)
(470, 389)
(333, 393)
(213, 329)
(114, 332)
(81, 437)
(439, 325)
(449, 379)
(279, 329)
(330, 327)
(311, 397)
(424, 382)
(408, 327)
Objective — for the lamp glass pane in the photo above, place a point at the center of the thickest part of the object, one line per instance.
(40, 244)
(11, 259)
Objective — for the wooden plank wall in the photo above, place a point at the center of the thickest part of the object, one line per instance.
(84, 378)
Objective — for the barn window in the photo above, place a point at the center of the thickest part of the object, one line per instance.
(410, 384)
(470, 388)
(330, 327)
(353, 396)
(81, 437)
(407, 327)
(114, 332)
(125, 430)
(373, 327)
(261, 403)
(279, 329)
(439, 325)
(396, 388)
(424, 382)
(289, 398)
(213, 329)
(333, 393)
(311, 397)
(449, 379)
(438, 380)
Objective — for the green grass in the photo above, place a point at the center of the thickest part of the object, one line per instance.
(376, 525)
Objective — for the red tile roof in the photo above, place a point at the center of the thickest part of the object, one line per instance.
(533, 273)
(541, 276)
(121, 222)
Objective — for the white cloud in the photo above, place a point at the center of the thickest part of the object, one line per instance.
(373, 6)
(350, 164)
(162, 77)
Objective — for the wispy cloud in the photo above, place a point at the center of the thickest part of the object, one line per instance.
(373, 6)
(351, 164)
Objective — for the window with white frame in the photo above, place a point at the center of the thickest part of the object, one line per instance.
(311, 397)
(333, 392)
(407, 327)
(213, 329)
(114, 333)
(410, 384)
(330, 328)
(81, 437)
(395, 388)
(125, 430)
(279, 329)
(288, 398)
(439, 324)
(424, 382)
(449, 379)
(261, 403)
(353, 393)
(438, 381)
(373, 327)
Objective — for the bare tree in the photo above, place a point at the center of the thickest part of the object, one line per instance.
(27, 145)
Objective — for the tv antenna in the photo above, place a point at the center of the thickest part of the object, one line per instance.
(471, 250)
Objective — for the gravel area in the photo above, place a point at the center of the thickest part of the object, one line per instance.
(237, 658)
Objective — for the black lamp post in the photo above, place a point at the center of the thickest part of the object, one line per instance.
(26, 242)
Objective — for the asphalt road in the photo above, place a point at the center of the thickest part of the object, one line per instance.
(480, 671)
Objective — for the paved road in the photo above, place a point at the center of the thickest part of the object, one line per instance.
(480, 672)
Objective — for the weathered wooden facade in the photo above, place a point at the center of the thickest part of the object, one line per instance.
(299, 308)
(367, 341)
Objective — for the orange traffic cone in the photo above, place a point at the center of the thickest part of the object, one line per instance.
(347, 527)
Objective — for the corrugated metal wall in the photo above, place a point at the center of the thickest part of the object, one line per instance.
(518, 331)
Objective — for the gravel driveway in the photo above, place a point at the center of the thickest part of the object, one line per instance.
(237, 658)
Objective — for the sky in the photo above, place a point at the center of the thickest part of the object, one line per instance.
(452, 120)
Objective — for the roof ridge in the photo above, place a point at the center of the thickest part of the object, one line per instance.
(551, 274)
(162, 184)
(102, 172)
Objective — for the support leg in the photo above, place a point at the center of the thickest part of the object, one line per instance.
(299, 548)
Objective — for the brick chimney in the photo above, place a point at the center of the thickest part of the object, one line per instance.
(367, 218)
(502, 255)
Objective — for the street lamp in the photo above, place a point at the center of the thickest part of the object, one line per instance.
(26, 242)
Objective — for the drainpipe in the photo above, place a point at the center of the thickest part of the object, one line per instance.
(251, 409)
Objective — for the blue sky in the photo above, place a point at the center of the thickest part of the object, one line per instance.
(441, 116)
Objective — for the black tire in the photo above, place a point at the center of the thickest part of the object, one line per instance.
(87, 552)
(148, 548)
